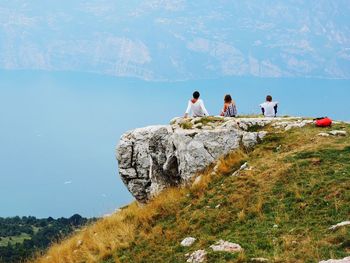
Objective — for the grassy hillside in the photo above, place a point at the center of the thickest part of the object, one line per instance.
(281, 208)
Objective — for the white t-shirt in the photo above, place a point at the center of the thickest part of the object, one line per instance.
(269, 107)
(197, 108)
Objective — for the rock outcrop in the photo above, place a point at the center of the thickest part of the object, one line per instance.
(153, 158)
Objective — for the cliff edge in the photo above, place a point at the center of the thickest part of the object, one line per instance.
(156, 157)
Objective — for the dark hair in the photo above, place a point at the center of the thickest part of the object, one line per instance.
(196, 95)
(269, 98)
(227, 98)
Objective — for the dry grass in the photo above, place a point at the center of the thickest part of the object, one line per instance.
(230, 163)
(187, 125)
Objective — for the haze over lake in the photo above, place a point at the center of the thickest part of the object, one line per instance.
(59, 130)
(75, 75)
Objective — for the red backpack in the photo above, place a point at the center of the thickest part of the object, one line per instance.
(323, 122)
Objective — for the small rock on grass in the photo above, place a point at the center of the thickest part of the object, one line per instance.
(188, 241)
(79, 243)
(334, 227)
(323, 134)
(259, 260)
(226, 246)
(244, 166)
(278, 148)
(338, 133)
(198, 256)
(344, 260)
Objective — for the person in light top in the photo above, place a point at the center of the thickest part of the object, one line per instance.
(196, 107)
(269, 107)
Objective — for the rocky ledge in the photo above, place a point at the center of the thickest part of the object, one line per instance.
(155, 157)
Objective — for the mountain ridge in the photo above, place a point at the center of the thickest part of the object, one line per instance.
(193, 41)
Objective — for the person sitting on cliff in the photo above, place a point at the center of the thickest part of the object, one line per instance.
(196, 107)
(229, 109)
(269, 107)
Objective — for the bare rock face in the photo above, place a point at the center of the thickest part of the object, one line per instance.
(153, 158)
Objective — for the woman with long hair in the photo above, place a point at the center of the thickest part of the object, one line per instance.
(229, 109)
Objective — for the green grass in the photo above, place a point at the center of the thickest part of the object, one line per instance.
(186, 125)
(209, 119)
(14, 239)
(250, 116)
(303, 188)
(255, 128)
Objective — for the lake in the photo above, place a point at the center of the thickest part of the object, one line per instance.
(59, 131)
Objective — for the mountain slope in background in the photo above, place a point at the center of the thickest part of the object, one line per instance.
(177, 39)
(280, 208)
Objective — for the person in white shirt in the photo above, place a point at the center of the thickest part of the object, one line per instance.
(269, 107)
(196, 107)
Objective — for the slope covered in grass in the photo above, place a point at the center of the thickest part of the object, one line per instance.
(281, 208)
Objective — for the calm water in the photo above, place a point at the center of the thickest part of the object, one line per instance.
(59, 130)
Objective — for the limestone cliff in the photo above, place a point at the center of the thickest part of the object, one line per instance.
(153, 158)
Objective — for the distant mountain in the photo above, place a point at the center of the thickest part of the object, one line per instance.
(177, 39)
